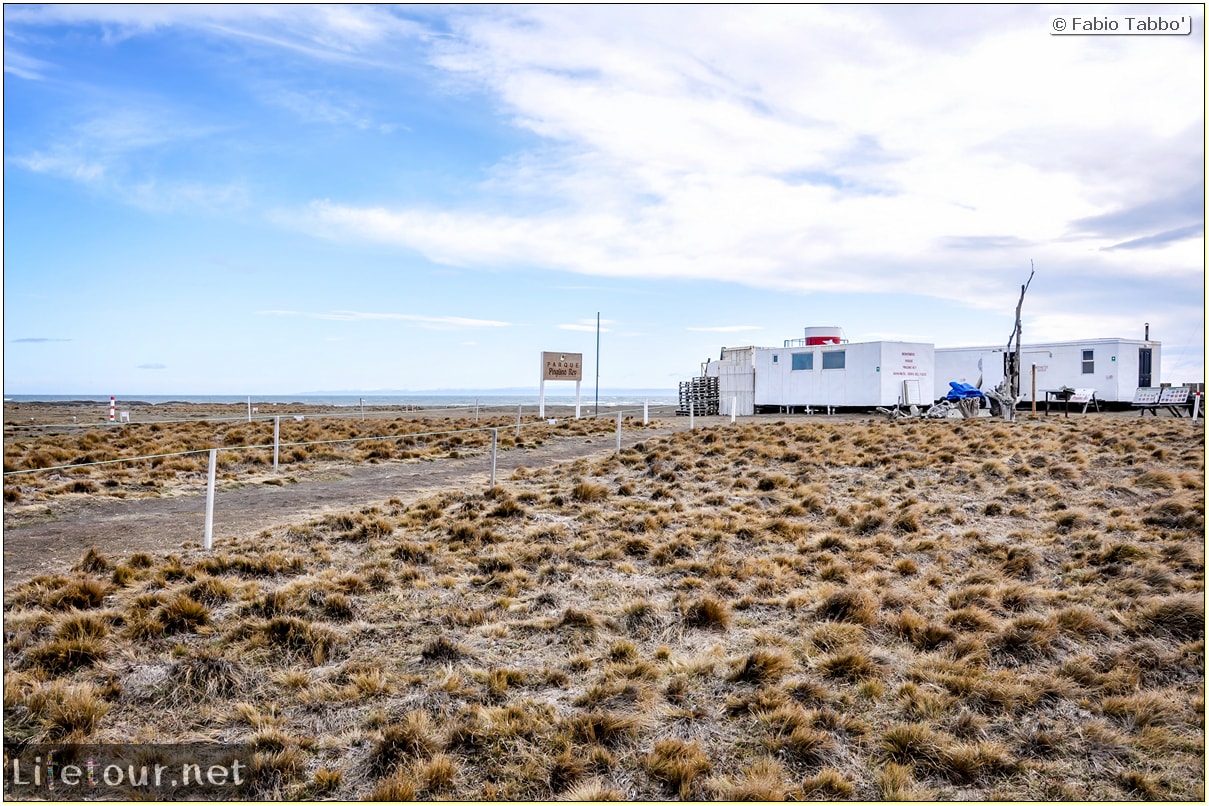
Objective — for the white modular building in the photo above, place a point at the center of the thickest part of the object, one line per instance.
(1115, 368)
(821, 372)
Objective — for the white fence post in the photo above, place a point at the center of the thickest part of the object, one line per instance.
(691, 426)
(208, 537)
(518, 420)
(734, 404)
(495, 440)
(276, 440)
(619, 432)
(1196, 406)
(646, 411)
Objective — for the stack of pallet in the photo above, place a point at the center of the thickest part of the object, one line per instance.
(702, 393)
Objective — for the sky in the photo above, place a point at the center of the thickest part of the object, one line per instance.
(239, 199)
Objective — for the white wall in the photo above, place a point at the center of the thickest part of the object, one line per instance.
(1114, 375)
(736, 386)
(873, 375)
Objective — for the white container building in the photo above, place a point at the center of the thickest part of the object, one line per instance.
(822, 371)
(1115, 368)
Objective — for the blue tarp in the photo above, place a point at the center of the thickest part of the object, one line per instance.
(962, 391)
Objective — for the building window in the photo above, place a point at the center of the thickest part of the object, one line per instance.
(774, 358)
(1089, 362)
(803, 361)
(833, 360)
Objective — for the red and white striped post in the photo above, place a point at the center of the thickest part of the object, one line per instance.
(112, 407)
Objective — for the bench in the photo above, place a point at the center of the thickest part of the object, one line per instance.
(1152, 398)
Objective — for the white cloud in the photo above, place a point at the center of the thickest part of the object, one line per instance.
(325, 106)
(588, 326)
(116, 150)
(24, 66)
(810, 148)
(329, 33)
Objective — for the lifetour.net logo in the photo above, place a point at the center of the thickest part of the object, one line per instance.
(128, 772)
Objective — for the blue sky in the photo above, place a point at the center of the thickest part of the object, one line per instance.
(277, 199)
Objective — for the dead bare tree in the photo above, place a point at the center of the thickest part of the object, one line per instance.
(1007, 392)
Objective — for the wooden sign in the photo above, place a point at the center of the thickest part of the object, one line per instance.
(562, 366)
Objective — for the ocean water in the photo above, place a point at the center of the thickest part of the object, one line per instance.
(614, 399)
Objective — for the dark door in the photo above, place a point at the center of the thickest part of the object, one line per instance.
(1143, 366)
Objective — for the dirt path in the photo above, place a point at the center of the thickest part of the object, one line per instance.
(57, 540)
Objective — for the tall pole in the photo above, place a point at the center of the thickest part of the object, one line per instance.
(598, 363)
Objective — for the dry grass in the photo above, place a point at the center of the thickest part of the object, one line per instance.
(790, 610)
(305, 447)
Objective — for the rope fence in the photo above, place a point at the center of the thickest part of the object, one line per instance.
(277, 445)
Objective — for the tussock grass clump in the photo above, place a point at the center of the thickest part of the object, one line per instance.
(707, 613)
(301, 639)
(971, 619)
(1083, 621)
(578, 620)
(763, 781)
(603, 727)
(896, 782)
(1157, 480)
(64, 655)
(913, 743)
(412, 552)
(409, 738)
(80, 593)
(207, 676)
(509, 507)
(93, 562)
(850, 665)
(677, 764)
(181, 614)
(1142, 709)
(442, 649)
(140, 560)
(75, 624)
(210, 591)
(829, 784)
(923, 634)
(849, 605)
(1181, 617)
(67, 711)
(594, 790)
(587, 491)
(761, 667)
(836, 635)
(1023, 640)
(338, 607)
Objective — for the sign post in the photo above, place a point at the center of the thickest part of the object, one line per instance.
(560, 367)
